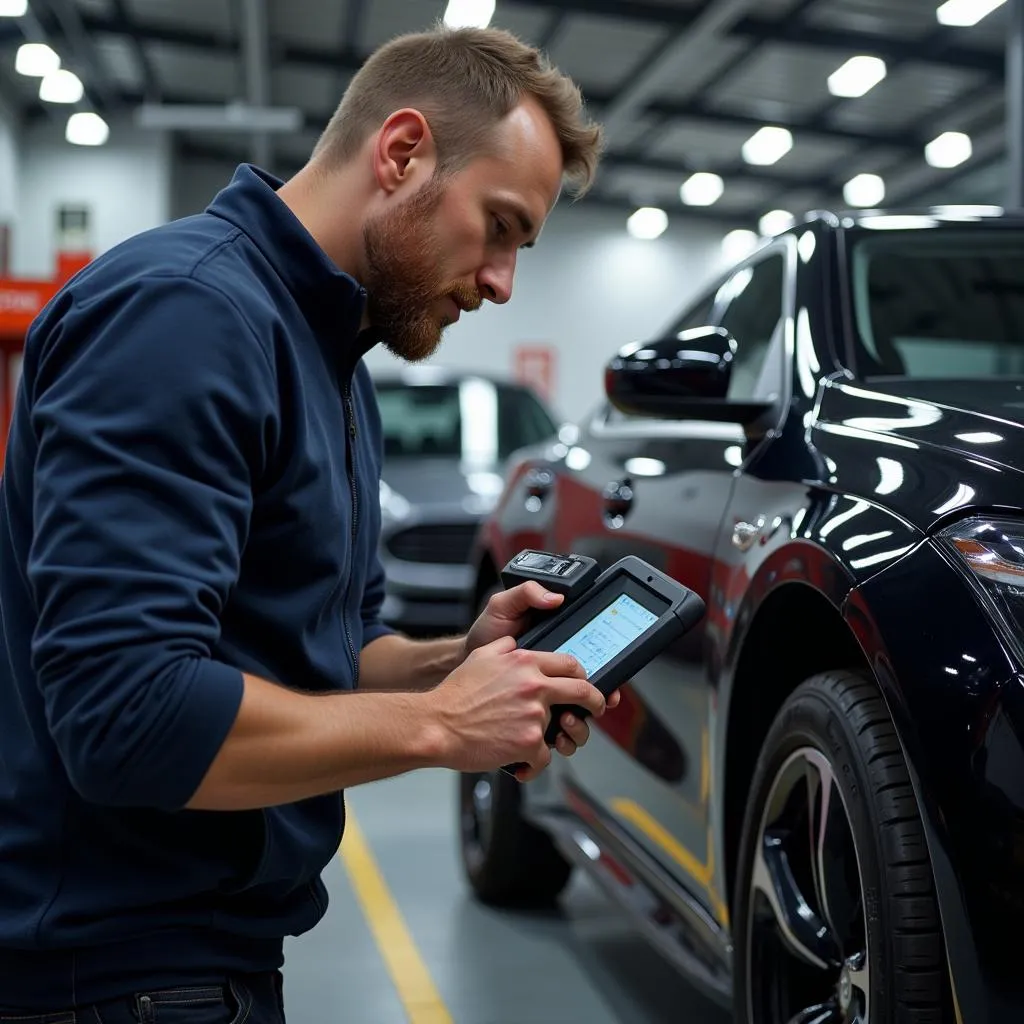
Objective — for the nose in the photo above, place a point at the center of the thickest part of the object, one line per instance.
(495, 280)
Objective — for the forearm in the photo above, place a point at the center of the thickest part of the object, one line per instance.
(286, 746)
(398, 663)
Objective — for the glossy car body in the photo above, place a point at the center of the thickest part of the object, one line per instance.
(815, 535)
(447, 437)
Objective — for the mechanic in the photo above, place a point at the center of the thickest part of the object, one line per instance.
(195, 668)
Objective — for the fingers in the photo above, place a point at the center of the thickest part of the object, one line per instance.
(575, 733)
(503, 645)
(557, 665)
(510, 604)
(575, 691)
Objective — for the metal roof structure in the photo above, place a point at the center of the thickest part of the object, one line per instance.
(681, 85)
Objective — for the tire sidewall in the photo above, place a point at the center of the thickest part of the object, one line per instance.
(810, 719)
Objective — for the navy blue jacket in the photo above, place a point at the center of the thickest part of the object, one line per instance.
(191, 491)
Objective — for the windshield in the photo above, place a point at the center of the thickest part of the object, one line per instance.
(934, 303)
(474, 420)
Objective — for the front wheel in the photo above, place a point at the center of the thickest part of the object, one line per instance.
(836, 915)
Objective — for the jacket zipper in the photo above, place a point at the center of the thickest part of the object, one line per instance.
(350, 461)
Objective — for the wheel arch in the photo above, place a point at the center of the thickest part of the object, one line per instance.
(756, 696)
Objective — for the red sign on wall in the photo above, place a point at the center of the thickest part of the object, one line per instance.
(534, 366)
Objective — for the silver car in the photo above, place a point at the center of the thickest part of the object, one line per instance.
(447, 437)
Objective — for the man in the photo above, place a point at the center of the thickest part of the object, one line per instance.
(194, 664)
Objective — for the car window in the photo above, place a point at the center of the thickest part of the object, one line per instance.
(420, 420)
(752, 306)
(939, 303)
(522, 420)
(698, 315)
(469, 419)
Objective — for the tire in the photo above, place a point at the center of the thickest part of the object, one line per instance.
(507, 861)
(832, 757)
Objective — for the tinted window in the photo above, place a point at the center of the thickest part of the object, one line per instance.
(940, 304)
(753, 298)
(473, 419)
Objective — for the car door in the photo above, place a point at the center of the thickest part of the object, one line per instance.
(659, 489)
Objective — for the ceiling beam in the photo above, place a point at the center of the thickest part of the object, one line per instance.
(659, 69)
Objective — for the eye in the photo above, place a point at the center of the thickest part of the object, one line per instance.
(500, 227)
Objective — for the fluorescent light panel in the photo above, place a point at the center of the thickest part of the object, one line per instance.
(36, 60)
(647, 223)
(702, 189)
(469, 13)
(739, 243)
(857, 76)
(86, 129)
(864, 190)
(767, 146)
(965, 13)
(61, 87)
(950, 149)
(13, 8)
(775, 223)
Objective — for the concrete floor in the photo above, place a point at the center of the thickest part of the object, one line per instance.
(583, 963)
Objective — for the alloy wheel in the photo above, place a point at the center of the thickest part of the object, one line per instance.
(808, 958)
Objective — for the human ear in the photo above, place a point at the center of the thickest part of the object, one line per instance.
(404, 150)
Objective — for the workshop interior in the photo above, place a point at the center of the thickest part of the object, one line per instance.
(754, 400)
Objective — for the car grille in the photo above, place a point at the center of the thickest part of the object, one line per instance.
(441, 544)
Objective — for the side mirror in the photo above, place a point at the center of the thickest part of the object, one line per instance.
(685, 376)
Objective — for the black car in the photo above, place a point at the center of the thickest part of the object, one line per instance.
(447, 437)
(814, 802)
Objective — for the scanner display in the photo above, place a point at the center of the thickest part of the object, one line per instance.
(608, 633)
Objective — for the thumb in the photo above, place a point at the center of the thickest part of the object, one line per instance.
(510, 604)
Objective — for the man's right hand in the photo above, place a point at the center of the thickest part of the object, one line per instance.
(494, 709)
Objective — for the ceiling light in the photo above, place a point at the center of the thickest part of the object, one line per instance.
(61, 87)
(775, 222)
(950, 149)
(864, 190)
(36, 60)
(86, 129)
(767, 146)
(739, 243)
(702, 189)
(856, 77)
(13, 8)
(469, 13)
(964, 13)
(647, 223)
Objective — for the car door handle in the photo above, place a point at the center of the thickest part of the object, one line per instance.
(538, 483)
(618, 499)
(744, 535)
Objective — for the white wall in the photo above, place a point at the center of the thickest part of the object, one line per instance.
(126, 184)
(8, 165)
(586, 289)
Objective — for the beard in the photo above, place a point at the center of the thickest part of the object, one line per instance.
(402, 282)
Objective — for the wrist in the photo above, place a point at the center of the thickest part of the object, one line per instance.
(434, 741)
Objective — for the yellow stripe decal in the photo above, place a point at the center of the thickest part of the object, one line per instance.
(702, 874)
(409, 974)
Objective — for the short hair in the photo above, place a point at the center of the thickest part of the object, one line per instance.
(463, 81)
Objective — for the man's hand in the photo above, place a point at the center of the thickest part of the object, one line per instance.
(508, 614)
(494, 709)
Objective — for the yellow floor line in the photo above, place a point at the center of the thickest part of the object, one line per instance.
(416, 989)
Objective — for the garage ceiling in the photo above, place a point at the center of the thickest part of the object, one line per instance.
(682, 84)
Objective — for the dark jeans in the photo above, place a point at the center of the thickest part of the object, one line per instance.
(248, 999)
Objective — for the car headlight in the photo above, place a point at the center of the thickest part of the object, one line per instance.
(993, 551)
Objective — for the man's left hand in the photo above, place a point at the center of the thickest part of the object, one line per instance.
(508, 614)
